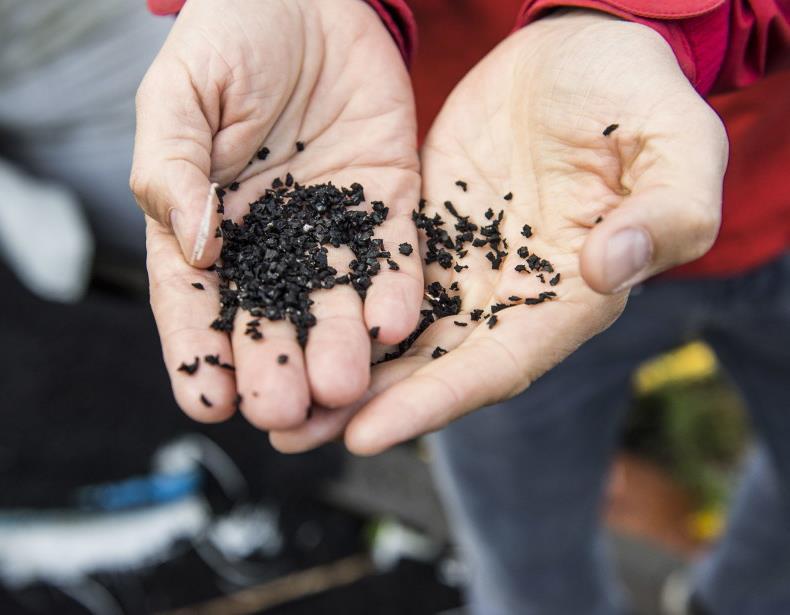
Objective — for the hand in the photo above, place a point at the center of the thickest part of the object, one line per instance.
(529, 120)
(233, 78)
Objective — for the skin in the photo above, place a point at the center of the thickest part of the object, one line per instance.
(232, 77)
(529, 119)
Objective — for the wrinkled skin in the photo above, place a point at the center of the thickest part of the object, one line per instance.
(233, 77)
(529, 119)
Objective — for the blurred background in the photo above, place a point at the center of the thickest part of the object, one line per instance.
(112, 502)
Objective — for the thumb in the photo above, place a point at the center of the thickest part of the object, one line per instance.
(171, 164)
(671, 216)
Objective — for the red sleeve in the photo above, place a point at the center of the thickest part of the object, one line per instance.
(723, 43)
(395, 14)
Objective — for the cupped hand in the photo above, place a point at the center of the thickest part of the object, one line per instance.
(235, 88)
(606, 210)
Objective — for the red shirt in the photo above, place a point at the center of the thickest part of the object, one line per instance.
(735, 52)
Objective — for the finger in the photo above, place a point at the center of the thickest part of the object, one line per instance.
(270, 373)
(325, 424)
(183, 314)
(490, 365)
(393, 301)
(673, 213)
(171, 163)
(338, 349)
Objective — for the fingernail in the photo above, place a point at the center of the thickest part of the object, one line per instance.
(212, 203)
(627, 255)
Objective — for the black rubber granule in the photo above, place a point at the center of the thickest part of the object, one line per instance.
(610, 129)
(454, 286)
(374, 332)
(458, 323)
(299, 146)
(211, 359)
(461, 184)
(405, 248)
(533, 301)
(541, 277)
(555, 280)
(289, 180)
(499, 307)
(262, 153)
(438, 352)
(190, 368)
(392, 265)
(205, 401)
(599, 219)
(282, 359)
(527, 231)
(217, 233)
(198, 285)
(514, 298)
(523, 252)
(520, 268)
(278, 255)
(491, 322)
(234, 186)
(228, 366)
(460, 268)
(508, 196)
(451, 208)
(489, 213)
(476, 314)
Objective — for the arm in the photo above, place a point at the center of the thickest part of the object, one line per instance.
(719, 44)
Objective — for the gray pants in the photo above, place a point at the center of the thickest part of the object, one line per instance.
(523, 481)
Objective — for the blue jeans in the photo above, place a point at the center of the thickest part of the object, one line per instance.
(523, 481)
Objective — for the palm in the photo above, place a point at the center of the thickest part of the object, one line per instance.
(336, 84)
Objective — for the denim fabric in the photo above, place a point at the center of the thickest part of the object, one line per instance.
(523, 481)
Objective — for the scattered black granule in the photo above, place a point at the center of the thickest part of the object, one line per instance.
(495, 258)
(217, 233)
(489, 213)
(491, 321)
(454, 286)
(514, 298)
(392, 264)
(546, 266)
(299, 146)
(205, 401)
(533, 301)
(438, 352)
(499, 307)
(555, 280)
(527, 231)
(277, 183)
(458, 323)
(599, 219)
(289, 180)
(610, 129)
(282, 359)
(451, 208)
(550, 294)
(460, 268)
(405, 248)
(220, 193)
(520, 268)
(462, 185)
(475, 314)
(278, 254)
(228, 366)
(190, 368)
(462, 253)
(221, 198)
(421, 205)
(211, 359)
(508, 196)
(262, 153)
(374, 332)
(198, 285)
(541, 277)
(523, 252)
(234, 186)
